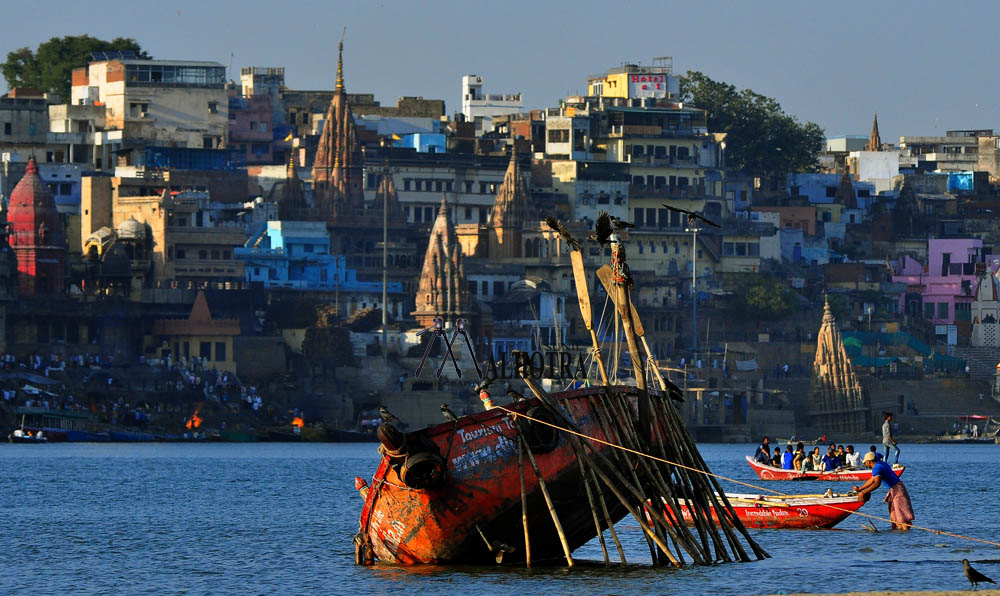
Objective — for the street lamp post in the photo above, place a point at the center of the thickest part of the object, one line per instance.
(693, 228)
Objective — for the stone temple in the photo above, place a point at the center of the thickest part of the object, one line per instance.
(836, 398)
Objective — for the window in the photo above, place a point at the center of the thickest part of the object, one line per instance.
(482, 188)
(253, 125)
(6, 128)
(215, 255)
(831, 191)
(929, 310)
(942, 310)
(728, 249)
(65, 189)
(213, 107)
(650, 217)
(181, 254)
(307, 247)
(258, 149)
(638, 218)
(559, 136)
(205, 350)
(220, 351)
(203, 254)
(406, 183)
(468, 213)
(484, 288)
(468, 186)
(226, 255)
(753, 250)
(498, 288)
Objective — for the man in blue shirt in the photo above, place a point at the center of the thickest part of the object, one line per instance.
(898, 498)
(830, 461)
(788, 458)
(763, 453)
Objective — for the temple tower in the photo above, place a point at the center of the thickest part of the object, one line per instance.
(836, 399)
(511, 211)
(338, 169)
(875, 141)
(442, 291)
(36, 236)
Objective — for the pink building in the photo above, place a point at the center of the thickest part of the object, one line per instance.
(251, 128)
(942, 291)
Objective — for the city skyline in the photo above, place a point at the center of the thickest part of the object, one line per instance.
(842, 70)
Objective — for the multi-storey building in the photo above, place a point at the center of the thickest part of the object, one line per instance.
(480, 108)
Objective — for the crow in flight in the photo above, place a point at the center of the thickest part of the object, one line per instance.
(692, 215)
(558, 226)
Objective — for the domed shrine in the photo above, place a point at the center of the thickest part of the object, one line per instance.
(36, 235)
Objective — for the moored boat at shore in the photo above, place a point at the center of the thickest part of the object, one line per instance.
(845, 474)
(787, 511)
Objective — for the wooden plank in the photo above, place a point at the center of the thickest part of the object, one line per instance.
(582, 290)
(606, 276)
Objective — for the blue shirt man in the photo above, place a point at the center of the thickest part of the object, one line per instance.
(884, 471)
(830, 462)
(787, 458)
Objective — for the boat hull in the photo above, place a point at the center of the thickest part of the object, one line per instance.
(481, 495)
(788, 512)
(851, 475)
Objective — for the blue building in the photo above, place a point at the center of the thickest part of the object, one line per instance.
(296, 255)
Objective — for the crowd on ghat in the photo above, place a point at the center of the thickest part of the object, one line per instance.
(89, 384)
(797, 458)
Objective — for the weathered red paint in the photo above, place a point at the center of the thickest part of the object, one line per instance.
(439, 525)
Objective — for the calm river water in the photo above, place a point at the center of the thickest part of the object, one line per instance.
(278, 518)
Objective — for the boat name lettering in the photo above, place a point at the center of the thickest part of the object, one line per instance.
(487, 453)
(469, 435)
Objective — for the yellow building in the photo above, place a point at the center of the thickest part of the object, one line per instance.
(634, 81)
(198, 336)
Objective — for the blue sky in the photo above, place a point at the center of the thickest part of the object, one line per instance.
(923, 66)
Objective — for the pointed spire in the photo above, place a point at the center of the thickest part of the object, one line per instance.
(442, 290)
(836, 400)
(340, 63)
(386, 195)
(827, 313)
(875, 141)
(513, 207)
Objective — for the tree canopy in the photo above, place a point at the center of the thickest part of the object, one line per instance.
(761, 139)
(50, 67)
(763, 299)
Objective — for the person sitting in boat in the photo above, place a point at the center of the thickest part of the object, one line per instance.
(788, 458)
(898, 498)
(830, 461)
(800, 456)
(763, 453)
(878, 456)
(842, 456)
(852, 458)
(807, 463)
(776, 460)
(817, 459)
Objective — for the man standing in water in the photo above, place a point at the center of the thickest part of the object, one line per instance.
(887, 440)
(898, 499)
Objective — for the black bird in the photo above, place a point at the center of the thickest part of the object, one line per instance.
(974, 576)
(619, 224)
(602, 229)
(514, 395)
(448, 414)
(484, 384)
(558, 226)
(386, 415)
(692, 215)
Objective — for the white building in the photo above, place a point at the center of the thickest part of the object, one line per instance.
(480, 107)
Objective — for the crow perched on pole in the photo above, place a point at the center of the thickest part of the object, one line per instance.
(974, 576)
(448, 414)
(692, 215)
(558, 226)
(605, 226)
(386, 415)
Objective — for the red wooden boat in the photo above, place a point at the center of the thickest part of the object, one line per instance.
(851, 474)
(453, 492)
(790, 511)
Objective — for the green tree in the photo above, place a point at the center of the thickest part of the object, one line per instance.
(50, 67)
(761, 139)
(765, 299)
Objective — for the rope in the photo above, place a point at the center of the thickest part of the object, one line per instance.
(733, 480)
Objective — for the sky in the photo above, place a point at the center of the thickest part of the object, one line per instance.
(925, 67)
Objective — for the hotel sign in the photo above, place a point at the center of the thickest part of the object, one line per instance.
(647, 85)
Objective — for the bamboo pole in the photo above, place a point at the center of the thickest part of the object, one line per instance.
(524, 505)
(583, 297)
(607, 516)
(593, 508)
(548, 498)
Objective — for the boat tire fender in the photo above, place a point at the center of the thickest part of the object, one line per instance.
(540, 437)
(393, 441)
(423, 470)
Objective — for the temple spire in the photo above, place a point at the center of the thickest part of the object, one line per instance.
(442, 291)
(340, 62)
(875, 141)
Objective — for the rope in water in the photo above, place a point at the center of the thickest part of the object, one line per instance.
(733, 480)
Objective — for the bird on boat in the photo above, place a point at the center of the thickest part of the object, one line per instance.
(386, 415)
(514, 395)
(602, 229)
(692, 215)
(974, 576)
(558, 226)
(500, 549)
(448, 414)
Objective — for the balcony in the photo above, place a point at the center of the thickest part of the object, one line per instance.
(696, 191)
(618, 131)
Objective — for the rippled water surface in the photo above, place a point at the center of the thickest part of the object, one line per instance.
(278, 518)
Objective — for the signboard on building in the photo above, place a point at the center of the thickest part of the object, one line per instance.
(647, 85)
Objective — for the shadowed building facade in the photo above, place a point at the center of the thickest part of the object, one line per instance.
(36, 235)
(512, 210)
(836, 398)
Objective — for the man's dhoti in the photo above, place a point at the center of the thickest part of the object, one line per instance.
(900, 507)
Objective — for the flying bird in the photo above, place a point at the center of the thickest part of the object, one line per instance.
(619, 224)
(974, 576)
(602, 229)
(448, 414)
(386, 415)
(692, 215)
(558, 226)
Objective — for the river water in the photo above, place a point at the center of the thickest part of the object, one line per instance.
(278, 518)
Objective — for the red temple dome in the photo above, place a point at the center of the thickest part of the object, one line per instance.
(36, 236)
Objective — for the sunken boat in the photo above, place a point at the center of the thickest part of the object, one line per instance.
(531, 480)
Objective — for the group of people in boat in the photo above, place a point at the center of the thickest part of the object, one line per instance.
(836, 457)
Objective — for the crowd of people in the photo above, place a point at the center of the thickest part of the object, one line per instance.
(837, 457)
